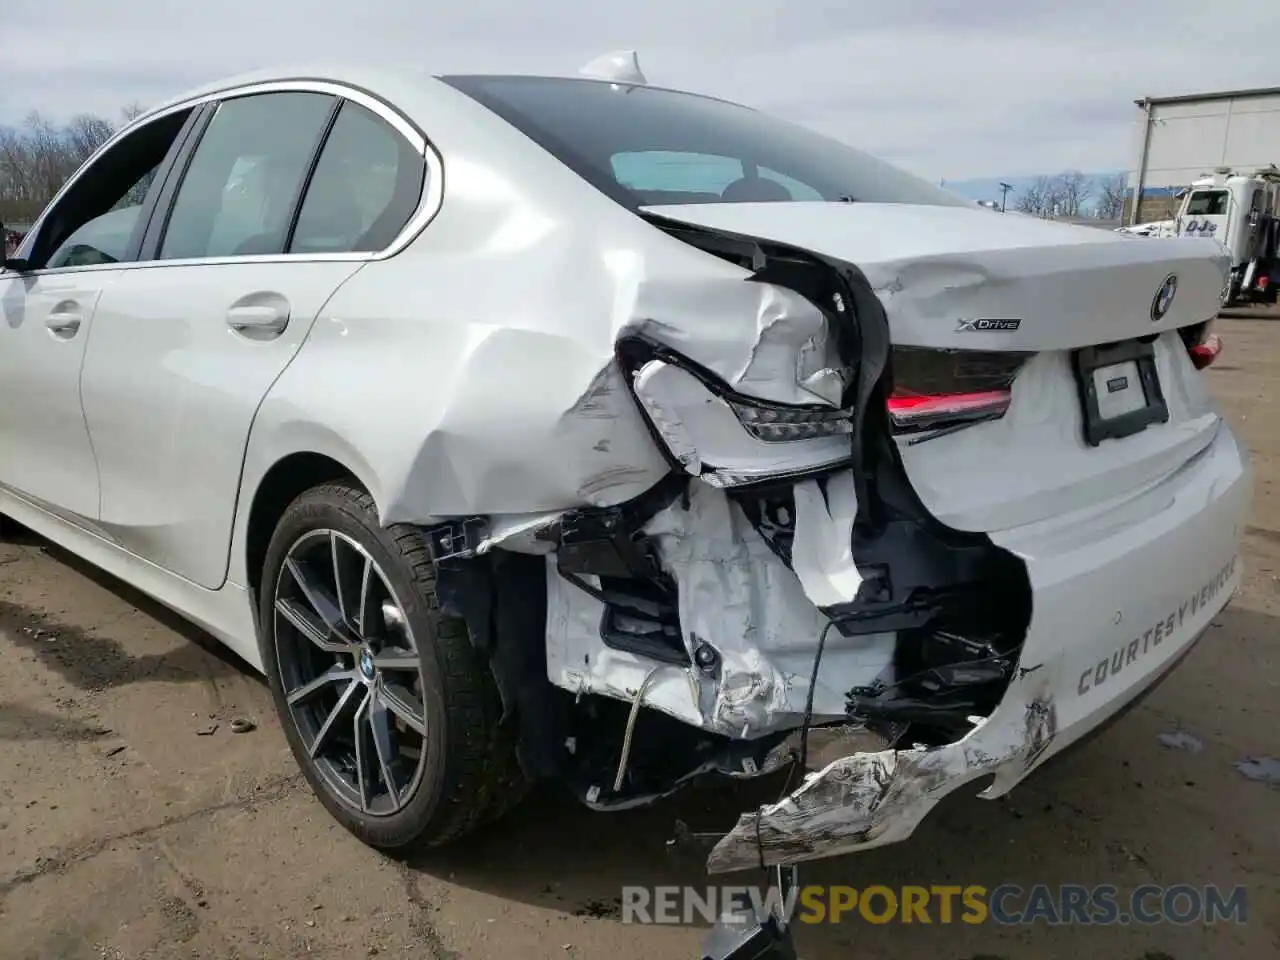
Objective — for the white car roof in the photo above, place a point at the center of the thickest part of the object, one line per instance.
(368, 76)
(373, 77)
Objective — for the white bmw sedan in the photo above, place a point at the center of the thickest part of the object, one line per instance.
(529, 427)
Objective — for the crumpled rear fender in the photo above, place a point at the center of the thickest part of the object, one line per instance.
(503, 398)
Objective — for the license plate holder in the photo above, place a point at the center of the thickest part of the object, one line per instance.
(1119, 390)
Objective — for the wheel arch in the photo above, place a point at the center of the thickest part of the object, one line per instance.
(280, 485)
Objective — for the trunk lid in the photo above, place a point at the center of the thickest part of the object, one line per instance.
(973, 296)
(932, 267)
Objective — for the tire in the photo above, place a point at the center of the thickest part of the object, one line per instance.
(466, 773)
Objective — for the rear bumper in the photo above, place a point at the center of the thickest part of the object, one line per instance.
(1121, 591)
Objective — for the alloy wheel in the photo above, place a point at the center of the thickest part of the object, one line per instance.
(350, 672)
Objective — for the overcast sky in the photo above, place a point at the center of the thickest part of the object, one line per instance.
(946, 89)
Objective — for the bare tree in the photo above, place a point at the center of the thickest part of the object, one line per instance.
(38, 156)
(1063, 195)
(1035, 198)
(84, 134)
(1070, 191)
(1112, 191)
(18, 190)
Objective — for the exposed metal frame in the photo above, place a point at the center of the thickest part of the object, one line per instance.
(428, 204)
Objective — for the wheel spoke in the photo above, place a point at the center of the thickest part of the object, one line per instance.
(384, 744)
(362, 758)
(343, 704)
(337, 574)
(306, 623)
(366, 615)
(319, 683)
(405, 706)
(316, 593)
(352, 573)
(396, 658)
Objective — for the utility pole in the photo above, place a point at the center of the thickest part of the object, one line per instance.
(1004, 194)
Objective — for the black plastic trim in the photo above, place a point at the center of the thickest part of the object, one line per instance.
(177, 172)
(150, 204)
(300, 194)
(1090, 359)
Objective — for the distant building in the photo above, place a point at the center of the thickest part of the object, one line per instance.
(1186, 137)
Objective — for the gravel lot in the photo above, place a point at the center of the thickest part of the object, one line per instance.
(134, 823)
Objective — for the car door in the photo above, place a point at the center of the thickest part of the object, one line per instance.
(285, 195)
(80, 246)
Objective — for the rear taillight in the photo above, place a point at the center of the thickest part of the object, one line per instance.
(936, 389)
(1203, 346)
(919, 413)
(1203, 354)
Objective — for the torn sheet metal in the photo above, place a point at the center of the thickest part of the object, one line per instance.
(519, 533)
(822, 551)
(792, 354)
(737, 596)
(872, 799)
(1091, 648)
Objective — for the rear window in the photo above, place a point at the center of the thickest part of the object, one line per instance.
(648, 146)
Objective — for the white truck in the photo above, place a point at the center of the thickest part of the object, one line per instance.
(1242, 212)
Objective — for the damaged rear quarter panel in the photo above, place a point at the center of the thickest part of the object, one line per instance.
(494, 390)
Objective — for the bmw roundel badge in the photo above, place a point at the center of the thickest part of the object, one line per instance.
(1163, 299)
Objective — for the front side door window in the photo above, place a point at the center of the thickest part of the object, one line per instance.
(98, 220)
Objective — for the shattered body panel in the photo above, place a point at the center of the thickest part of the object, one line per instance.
(1092, 646)
(736, 596)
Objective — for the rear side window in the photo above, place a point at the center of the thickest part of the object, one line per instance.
(245, 176)
(365, 188)
(645, 145)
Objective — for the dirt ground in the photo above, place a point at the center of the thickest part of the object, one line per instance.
(134, 823)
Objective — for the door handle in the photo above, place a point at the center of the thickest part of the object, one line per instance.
(62, 323)
(258, 318)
